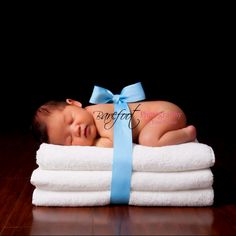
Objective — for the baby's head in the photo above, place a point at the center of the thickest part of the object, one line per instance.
(64, 123)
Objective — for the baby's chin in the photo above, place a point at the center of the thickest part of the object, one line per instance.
(89, 141)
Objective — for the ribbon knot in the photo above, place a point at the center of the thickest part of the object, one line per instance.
(122, 155)
(116, 98)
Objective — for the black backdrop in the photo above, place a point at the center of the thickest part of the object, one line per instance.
(185, 62)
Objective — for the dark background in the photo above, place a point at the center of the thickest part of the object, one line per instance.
(186, 59)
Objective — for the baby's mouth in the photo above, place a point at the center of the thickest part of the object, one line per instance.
(85, 131)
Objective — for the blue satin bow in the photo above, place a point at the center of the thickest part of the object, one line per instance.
(122, 156)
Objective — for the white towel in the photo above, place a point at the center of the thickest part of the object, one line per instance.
(101, 180)
(201, 197)
(181, 157)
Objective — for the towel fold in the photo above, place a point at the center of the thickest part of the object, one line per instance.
(140, 181)
(182, 157)
(200, 197)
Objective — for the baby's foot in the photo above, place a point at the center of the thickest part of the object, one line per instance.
(191, 132)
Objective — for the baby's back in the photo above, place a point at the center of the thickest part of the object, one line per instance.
(140, 114)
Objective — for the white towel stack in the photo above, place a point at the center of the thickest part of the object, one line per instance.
(176, 175)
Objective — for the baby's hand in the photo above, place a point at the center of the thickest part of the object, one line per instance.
(103, 142)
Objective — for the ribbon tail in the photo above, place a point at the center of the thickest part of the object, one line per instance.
(122, 158)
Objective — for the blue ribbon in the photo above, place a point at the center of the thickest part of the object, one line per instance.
(122, 156)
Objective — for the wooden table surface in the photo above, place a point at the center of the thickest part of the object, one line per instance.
(19, 217)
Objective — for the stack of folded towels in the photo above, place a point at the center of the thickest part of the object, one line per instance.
(176, 175)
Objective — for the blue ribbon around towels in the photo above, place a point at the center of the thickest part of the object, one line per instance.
(122, 156)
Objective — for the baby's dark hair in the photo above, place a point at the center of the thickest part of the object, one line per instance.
(39, 127)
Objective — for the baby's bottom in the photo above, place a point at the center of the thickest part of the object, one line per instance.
(165, 130)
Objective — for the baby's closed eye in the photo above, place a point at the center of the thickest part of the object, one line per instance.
(69, 119)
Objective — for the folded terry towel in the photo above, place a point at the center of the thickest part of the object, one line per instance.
(58, 180)
(182, 157)
(200, 197)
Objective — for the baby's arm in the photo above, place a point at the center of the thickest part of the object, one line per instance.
(103, 142)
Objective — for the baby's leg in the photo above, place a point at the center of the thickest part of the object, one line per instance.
(167, 128)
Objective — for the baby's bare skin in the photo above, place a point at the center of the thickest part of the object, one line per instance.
(155, 123)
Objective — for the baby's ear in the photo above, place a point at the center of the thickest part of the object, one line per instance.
(73, 102)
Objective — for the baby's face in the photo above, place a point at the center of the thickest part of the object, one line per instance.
(72, 126)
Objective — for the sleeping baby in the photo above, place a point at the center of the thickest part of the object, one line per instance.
(153, 123)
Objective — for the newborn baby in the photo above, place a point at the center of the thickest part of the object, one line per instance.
(153, 123)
